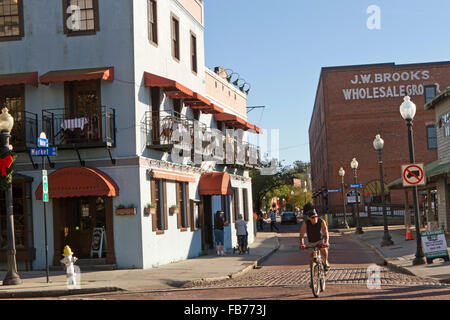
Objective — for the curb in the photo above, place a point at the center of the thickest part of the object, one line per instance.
(57, 293)
(236, 274)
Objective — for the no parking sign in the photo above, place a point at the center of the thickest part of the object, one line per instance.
(413, 175)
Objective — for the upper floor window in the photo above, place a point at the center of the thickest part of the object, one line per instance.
(175, 23)
(81, 17)
(193, 53)
(430, 92)
(152, 22)
(431, 137)
(11, 20)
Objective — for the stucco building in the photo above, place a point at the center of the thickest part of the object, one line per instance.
(353, 104)
(125, 100)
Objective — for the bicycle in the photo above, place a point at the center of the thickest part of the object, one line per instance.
(317, 271)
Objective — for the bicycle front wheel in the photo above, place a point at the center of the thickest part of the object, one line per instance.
(315, 279)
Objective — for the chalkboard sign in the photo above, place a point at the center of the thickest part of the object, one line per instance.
(98, 243)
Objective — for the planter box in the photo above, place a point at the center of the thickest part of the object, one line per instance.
(126, 212)
(148, 211)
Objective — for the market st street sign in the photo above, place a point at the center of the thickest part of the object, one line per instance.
(413, 175)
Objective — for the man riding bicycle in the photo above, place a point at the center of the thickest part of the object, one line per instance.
(317, 232)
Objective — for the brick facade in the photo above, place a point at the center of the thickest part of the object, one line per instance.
(355, 103)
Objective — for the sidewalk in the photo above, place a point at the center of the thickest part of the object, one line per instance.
(400, 255)
(175, 275)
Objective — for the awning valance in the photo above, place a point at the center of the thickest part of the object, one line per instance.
(431, 170)
(172, 89)
(30, 78)
(78, 182)
(215, 183)
(106, 73)
(171, 175)
(231, 120)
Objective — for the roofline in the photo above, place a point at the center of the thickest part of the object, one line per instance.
(438, 99)
(391, 64)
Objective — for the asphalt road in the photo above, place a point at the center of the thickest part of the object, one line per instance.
(285, 276)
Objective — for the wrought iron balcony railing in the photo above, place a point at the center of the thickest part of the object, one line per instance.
(25, 130)
(94, 128)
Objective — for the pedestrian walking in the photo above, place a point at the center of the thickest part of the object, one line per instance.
(273, 220)
(219, 223)
(242, 234)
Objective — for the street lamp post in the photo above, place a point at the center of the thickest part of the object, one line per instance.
(378, 144)
(341, 174)
(408, 111)
(354, 166)
(11, 277)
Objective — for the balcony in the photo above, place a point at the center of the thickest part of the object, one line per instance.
(25, 131)
(91, 129)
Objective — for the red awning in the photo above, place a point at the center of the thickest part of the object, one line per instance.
(172, 89)
(174, 176)
(30, 78)
(78, 182)
(231, 120)
(215, 183)
(106, 73)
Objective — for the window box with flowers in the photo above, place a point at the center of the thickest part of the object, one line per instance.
(150, 208)
(173, 209)
(121, 210)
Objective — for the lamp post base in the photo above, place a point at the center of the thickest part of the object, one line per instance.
(419, 261)
(387, 241)
(12, 279)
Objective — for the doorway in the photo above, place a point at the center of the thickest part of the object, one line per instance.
(207, 227)
(74, 223)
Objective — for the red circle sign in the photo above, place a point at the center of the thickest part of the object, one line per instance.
(413, 177)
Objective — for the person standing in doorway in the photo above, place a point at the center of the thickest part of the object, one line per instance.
(219, 223)
(273, 219)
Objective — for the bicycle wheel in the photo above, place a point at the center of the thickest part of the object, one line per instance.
(315, 279)
(322, 278)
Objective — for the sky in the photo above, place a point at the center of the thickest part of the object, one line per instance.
(279, 47)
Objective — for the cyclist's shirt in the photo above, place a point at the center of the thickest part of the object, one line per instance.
(314, 231)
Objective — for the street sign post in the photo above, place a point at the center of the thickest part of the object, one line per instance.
(357, 185)
(413, 175)
(42, 143)
(44, 186)
(334, 190)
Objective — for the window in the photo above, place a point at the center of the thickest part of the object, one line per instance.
(158, 192)
(430, 92)
(245, 198)
(80, 17)
(194, 53)
(152, 22)
(183, 204)
(175, 38)
(11, 20)
(431, 137)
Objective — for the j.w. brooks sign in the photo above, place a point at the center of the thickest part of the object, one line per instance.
(393, 87)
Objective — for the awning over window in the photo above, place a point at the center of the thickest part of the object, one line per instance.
(215, 183)
(106, 73)
(174, 176)
(30, 78)
(231, 120)
(78, 182)
(172, 89)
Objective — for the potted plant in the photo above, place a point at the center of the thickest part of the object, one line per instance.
(150, 208)
(121, 210)
(173, 209)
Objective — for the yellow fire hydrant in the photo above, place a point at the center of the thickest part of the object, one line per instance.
(68, 261)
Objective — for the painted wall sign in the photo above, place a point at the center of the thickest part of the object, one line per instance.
(391, 85)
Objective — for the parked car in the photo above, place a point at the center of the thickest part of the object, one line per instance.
(288, 217)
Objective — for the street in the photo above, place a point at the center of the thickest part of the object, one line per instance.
(285, 276)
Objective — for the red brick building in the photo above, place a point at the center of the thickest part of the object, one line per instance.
(353, 104)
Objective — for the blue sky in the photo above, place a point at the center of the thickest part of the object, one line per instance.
(279, 47)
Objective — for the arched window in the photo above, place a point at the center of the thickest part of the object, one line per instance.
(372, 192)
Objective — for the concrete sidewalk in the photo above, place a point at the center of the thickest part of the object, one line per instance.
(401, 255)
(175, 275)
